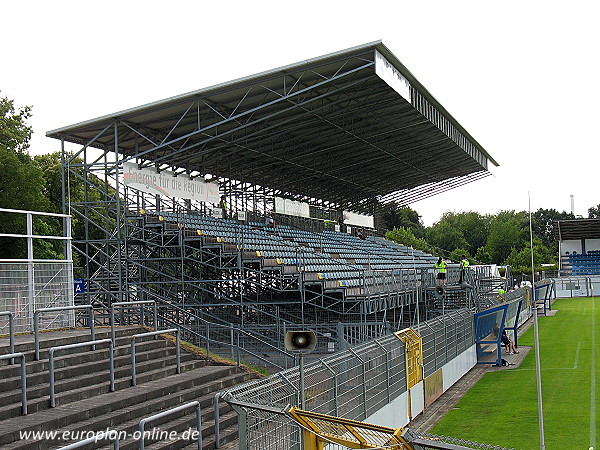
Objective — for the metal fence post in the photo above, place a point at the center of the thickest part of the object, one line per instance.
(387, 369)
(207, 340)
(335, 385)
(364, 378)
(36, 336)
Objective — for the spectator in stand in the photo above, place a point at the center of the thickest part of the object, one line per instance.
(508, 343)
(223, 205)
(270, 223)
(361, 234)
(441, 265)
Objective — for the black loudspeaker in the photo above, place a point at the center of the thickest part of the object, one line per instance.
(439, 292)
(300, 341)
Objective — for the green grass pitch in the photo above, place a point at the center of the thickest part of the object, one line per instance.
(502, 409)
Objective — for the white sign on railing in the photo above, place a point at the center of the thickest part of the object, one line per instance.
(360, 220)
(291, 207)
(166, 183)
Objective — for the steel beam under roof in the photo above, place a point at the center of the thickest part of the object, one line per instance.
(352, 127)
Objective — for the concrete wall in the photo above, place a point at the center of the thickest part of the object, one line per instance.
(396, 413)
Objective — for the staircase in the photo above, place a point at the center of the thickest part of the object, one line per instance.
(84, 403)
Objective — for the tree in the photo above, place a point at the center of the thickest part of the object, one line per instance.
(396, 216)
(14, 131)
(594, 212)
(445, 237)
(405, 236)
(467, 230)
(505, 234)
(520, 260)
(21, 186)
(542, 224)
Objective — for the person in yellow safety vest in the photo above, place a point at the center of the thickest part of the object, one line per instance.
(441, 265)
(501, 293)
(464, 263)
(223, 205)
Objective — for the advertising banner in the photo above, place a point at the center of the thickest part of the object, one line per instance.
(165, 183)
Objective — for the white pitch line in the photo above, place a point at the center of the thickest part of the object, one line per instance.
(593, 387)
(575, 364)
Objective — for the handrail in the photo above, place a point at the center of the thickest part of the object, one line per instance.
(80, 344)
(175, 307)
(144, 421)
(154, 333)
(217, 420)
(95, 439)
(37, 313)
(139, 303)
(11, 332)
(12, 356)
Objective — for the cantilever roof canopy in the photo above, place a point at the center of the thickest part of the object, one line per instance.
(347, 127)
(575, 229)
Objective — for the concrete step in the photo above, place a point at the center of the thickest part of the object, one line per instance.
(111, 409)
(92, 385)
(177, 423)
(70, 379)
(12, 373)
(25, 343)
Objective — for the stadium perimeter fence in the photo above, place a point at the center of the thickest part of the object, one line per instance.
(26, 287)
(29, 284)
(354, 383)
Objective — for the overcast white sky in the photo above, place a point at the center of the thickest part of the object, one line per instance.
(523, 77)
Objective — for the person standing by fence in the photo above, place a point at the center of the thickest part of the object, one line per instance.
(464, 263)
(441, 265)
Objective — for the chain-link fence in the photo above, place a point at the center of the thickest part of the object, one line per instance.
(354, 384)
(27, 286)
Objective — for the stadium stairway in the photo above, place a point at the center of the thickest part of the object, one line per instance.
(84, 403)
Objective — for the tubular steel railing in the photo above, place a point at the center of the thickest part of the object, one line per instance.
(11, 332)
(12, 356)
(80, 344)
(95, 439)
(38, 312)
(169, 412)
(154, 333)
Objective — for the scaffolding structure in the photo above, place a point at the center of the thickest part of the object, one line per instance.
(349, 131)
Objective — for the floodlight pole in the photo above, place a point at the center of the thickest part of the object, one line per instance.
(538, 371)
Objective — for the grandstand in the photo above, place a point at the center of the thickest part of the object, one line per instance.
(579, 246)
(176, 193)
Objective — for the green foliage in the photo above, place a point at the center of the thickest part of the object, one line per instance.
(14, 131)
(395, 216)
(405, 236)
(23, 189)
(594, 212)
(505, 234)
(444, 236)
